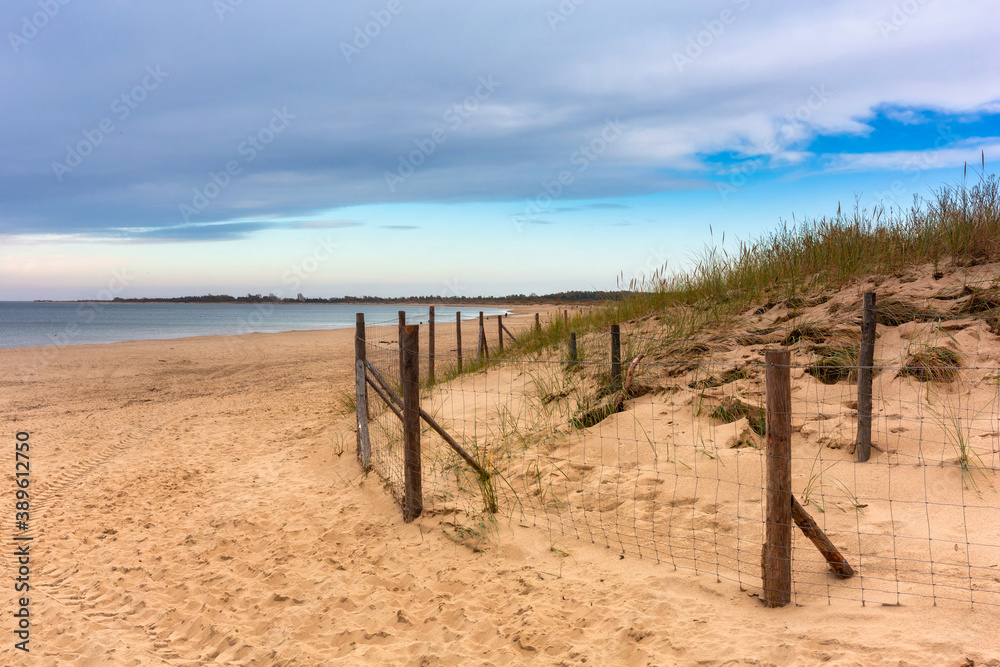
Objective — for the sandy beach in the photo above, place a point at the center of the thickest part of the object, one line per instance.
(198, 501)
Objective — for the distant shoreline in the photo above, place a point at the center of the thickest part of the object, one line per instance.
(313, 302)
(514, 299)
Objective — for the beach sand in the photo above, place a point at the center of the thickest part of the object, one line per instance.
(198, 501)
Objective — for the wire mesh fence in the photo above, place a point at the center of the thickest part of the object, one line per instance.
(667, 460)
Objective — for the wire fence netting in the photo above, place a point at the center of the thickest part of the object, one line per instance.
(669, 463)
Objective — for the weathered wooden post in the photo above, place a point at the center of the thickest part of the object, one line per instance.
(361, 392)
(409, 373)
(572, 350)
(538, 323)
(483, 349)
(399, 334)
(430, 346)
(500, 335)
(866, 360)
(776, 559)
(458, 339)
(566, 316)
(616, 357)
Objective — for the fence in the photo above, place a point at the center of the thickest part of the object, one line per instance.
(677, 449)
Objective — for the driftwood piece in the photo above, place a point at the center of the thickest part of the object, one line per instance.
(811, 529)
(630, 376)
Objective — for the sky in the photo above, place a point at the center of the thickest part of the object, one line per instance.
(396, 148)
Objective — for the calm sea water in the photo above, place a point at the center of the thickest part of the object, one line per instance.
(26, 324)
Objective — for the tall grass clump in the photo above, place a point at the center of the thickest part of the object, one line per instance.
(957, 225)
(961, 224)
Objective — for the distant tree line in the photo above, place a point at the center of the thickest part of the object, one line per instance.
(558, 297)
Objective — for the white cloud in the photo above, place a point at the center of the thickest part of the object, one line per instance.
(748, 90)
(970, 151)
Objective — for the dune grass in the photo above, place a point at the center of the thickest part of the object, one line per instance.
(932, 364)
(958, 226)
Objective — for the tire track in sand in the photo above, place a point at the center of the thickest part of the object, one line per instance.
(103, 606)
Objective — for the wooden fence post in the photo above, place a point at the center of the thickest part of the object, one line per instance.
(538, 323)
(483, 349)
(409, 373)
(776, 559)
(572, 350)
(566, 316)
(616, 357)
(361, 413)
(458, 338)
(361, 390)
(866, 359)
(400, 334)
(430, 346)
(500, 334)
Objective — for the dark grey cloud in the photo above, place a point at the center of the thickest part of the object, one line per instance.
(175, 104)
(223, 231)
(216, 232)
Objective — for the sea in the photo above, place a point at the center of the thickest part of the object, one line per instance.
(30, 324)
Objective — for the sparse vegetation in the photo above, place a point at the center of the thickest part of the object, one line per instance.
(346, 403)
(932, 364)
(892, 312)
(732, 409)
(835, 364)
(958, 430)
(981, 301)
(732, 375)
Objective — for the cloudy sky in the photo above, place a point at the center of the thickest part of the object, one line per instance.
(397, 147)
